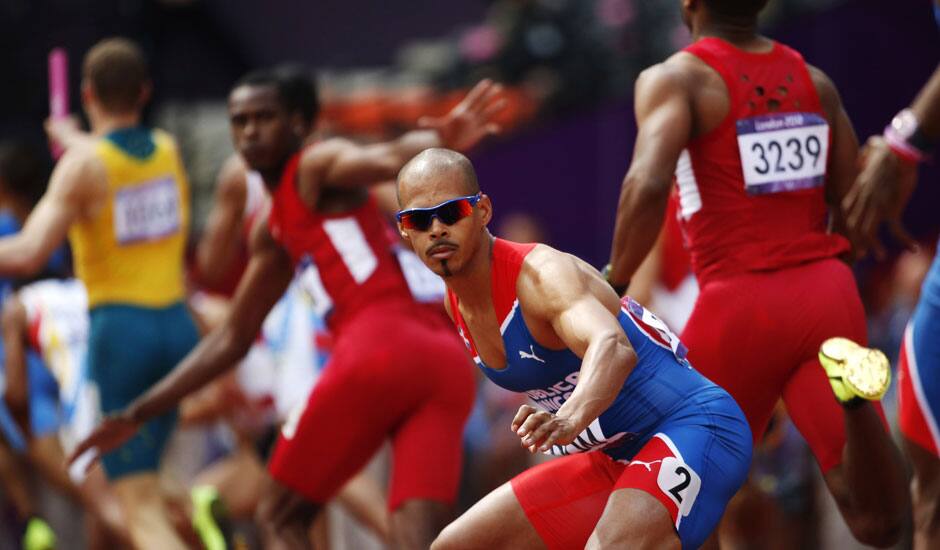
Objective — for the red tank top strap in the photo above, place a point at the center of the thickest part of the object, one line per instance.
(507, 263)
(284, 198)
(714, 52)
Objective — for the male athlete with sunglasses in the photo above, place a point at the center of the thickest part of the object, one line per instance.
(651, 450)
(397, 372)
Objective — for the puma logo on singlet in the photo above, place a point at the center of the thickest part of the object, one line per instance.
(647, 465)
(532, 355)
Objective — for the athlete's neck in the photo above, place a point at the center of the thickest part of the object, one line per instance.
(272, 177)
(472, 284)
(105, 123)
(742, 34)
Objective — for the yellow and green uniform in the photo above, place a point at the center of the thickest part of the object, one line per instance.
(130, 258)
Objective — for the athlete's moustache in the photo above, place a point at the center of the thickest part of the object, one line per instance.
(439, 244)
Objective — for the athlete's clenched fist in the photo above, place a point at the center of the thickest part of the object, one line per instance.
(539, 430)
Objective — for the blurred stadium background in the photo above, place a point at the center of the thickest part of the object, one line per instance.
(570, 66)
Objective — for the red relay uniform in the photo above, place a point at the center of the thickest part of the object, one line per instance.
(753, 212)
(397, 370)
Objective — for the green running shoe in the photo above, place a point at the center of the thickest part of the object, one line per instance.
(856, 373)
(209, 517)
(38, 535)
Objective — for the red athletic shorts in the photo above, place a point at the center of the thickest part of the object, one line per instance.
(398, 372)
(757, 335)
(564, 498)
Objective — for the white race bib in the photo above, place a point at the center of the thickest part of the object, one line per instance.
(783, 152)
(148, 211)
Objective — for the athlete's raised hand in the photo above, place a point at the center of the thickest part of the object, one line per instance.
(113, 432)
(540, 430)
(65, 131)
(470, 120)
(880, 193)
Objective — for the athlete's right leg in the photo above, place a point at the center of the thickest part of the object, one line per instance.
(346, 418)
(496, 521)
(849, 442)
(127, 355)
(925, 493)
(427, 443)
(918, 407)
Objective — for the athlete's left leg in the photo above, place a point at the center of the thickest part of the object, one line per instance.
(427, 445)
(673, 493)
(918, 408)
(849, 442)
(554, 505)
(634, 519)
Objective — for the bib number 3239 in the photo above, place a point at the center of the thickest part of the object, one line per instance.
(783, 152)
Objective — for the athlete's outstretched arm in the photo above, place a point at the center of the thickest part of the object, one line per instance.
(222, 235)
(342, 163)
(886, 181)
(554, 289)
(269, 273)
(664, 121)
(16, 393)
(843, 151)
(66, 132)
(76, 180)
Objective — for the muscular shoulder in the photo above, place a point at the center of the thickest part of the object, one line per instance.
(80, 173)
(826, 89)
(548, 278)
(675, 75)
(233, 180)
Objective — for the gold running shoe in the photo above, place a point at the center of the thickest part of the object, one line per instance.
(856, 373)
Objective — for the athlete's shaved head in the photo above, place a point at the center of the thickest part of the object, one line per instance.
(432, 179)
(116, 71)
(437, 167)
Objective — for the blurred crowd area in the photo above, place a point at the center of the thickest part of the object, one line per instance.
(569, 66)
(378, 65)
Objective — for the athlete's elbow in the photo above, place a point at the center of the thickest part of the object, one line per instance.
(620, 350)
(24, 264)
(645, 189)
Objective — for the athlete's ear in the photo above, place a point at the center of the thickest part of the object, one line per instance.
(145, 92)
(485, 206)
(403, 233)
(88, 93)
(298, 125)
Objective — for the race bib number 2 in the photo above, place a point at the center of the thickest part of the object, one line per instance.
(783, 152)
(147, 211)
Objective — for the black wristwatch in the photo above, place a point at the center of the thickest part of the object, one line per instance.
(619, 289)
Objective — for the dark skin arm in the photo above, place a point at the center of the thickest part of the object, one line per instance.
(17, 380)
(222, 236)
(886, 181)
(340, 163)
(269, 273)
(843, 151)
(664, 121)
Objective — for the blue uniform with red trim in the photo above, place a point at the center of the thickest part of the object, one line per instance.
(687, 440)
(919, 368)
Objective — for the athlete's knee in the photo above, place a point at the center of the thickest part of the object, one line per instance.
(280, 508)
(452, 538)
(417, 522)
(622, 536)
(879, 530)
